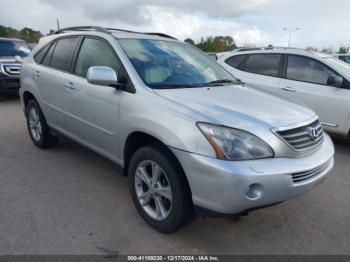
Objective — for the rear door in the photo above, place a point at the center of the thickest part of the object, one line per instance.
(305, 79)
(92, 110)
(261, 71)
(51, 76)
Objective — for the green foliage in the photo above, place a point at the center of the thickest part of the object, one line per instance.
(27, 34)
(343, 50)
(190, 41)
(214, 44)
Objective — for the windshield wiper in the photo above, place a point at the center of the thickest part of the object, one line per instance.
(223, 81)
(174, 86)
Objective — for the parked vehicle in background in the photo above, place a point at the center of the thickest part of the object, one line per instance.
(344, 57)
(316, 80)
(188, 134)
(213, 55)
(11, 52)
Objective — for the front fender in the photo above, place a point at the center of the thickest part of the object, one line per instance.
(162, 121)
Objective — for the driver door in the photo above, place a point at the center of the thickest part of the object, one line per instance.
(92, 110)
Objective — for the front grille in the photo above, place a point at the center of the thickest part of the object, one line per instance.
(302, 176)
(305, 137)
(12, 70)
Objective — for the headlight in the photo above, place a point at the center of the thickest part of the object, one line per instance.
(234, 144)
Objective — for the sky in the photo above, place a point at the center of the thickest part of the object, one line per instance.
(322, 23)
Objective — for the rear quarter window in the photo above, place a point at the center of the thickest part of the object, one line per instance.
(235, 61)
(41, 54)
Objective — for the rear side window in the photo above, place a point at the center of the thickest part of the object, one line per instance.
(63, 53)
(95, 52)
(235, 61)
(263, 64)
(344, 58)
(307, 70)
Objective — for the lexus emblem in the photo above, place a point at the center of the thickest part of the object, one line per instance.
(314, 133)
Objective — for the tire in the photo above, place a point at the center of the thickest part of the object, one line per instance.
(179, 210)
(38, 129)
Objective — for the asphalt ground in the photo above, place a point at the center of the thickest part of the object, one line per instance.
(69, 200)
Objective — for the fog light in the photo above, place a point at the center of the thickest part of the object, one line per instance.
(254, 191)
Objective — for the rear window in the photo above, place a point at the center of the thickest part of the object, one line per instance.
(13, 48)
(263, 64)
(344, 58)
(62, 55)
(235, 61)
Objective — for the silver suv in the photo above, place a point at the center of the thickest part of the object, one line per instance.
(189, 136)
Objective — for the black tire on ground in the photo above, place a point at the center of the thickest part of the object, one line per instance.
(46, 139)
(182, 211)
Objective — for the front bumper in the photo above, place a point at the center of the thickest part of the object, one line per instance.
(225, 186)
(9, 84)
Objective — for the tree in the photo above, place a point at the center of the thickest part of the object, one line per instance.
(190, 41)
(27, 34)
(343, 50)
(328, 50)
(311, 48)
(215, 44)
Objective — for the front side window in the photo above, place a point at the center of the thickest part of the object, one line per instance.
(63, 53)
(235, 61)
(169, 64)
(10, 48)
(94, 52)
(263, 64)
(307, 70)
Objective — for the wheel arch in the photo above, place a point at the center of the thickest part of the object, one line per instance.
(27, 96)
(140, 139)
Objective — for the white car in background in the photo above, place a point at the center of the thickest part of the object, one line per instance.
(318, 81)
(344, 57)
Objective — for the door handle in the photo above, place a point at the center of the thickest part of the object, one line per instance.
(36, 74)
(289, 89)
(69, 85)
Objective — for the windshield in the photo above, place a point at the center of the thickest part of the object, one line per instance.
(339, 64)
(13, 48)
(167, 64)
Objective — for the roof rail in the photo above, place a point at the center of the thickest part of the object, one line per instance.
(247, 49)
(106, 30)
(266, 48)
(128, 31)
(83, 28)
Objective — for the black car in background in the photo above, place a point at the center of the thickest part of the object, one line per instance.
(11, 52)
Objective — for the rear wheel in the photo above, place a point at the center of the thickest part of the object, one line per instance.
(159, 189)
(37, 127)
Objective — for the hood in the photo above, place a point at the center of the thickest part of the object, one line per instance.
(237, 106)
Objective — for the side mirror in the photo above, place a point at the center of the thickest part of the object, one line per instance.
(336, 81)
(102, 76)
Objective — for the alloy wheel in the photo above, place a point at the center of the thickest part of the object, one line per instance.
(153, 190)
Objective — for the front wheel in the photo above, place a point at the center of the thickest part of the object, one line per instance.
(159, 189)
(37, 127)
